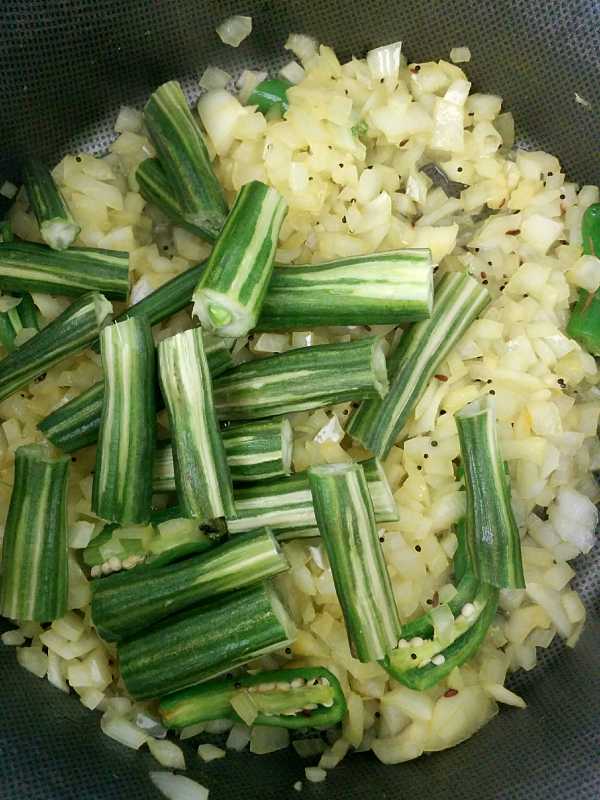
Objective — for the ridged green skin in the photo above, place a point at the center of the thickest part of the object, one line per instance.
(165, 301)
(584, 325)
(127, 603)
(202, 475)
(212, 700)
(492, 534)
(76, 424)
(232, 288)
(459, 299)
(345, 518)
(16, 319)
(269, 94)
(285, 505)
(184, 158)
(35, 564)
(382, 288)
(31, 267)
(6, 232)
(255, 451)
(57, 226)
(156, 189)
(68, 334)
(122, 487)
(204, 642)
(469, 636)
(258, 451)
(309, 377)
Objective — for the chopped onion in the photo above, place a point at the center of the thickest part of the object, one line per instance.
(247, 82)
(151, 725)
(443, 622)
(582, 101)
(209, 752)
(242, 704)
(220, 112)
(332, 431)
(178, 787)
(292, 72)
(460, 55)
(8, 189)
(140, 289)
(91, 698)
(12, 638)
(416, 705)
(129, 119)
(304, 47)
(214, 78)
(315, 774)
(239, 737)
(167, 753)
(81, 534)
(271, 343)
(234, 30)
(504, 695)
(191, 731)
(308, 748)
(123, 731)
(574, 518)
(33, 659)
(217, 726)
(265, 740)
(384, 62)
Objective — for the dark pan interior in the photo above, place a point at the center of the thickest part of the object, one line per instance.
(65, 68)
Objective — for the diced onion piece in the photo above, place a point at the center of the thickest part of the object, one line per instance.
(574, 518)
(151, 725)
(247, 82)
(12, 638)
(315, 774)
(80, 534)
(586, 273)
(220, 112)
(239, 737)
(167, 753)
(140, 289)
(129, 119)
(234, 30)
(582, 101)
(123, 731)
(265, 740)
(460, 55)
(384, 62)
(244, 707)
(271, 343)
(416, 705)
(8, 189)
(308, 748)
(91, 698)
(332, 431)
(33, 659)
(217, 726)
(210, 752)
(178, 787)
(504, 695)
(304, 47)
(214, 78)
(443, 621)
(191, 730)
(292, 72)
